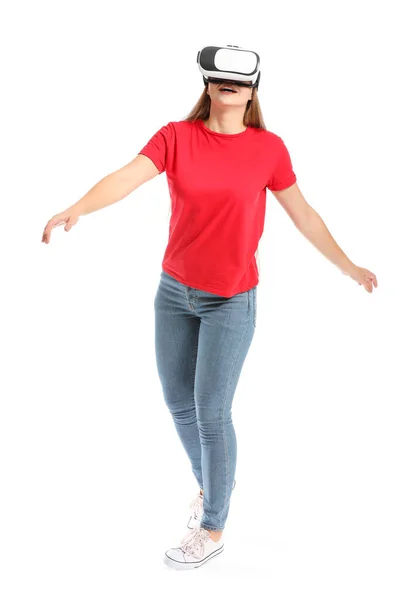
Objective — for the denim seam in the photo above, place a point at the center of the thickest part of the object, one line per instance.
(194, 361)
(210, 527)
(224, 402)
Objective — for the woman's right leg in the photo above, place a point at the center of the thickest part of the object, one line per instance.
(176, 338)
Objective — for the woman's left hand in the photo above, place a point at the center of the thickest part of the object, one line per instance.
(363, 277)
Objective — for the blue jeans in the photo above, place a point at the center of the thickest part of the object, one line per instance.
(201, 341)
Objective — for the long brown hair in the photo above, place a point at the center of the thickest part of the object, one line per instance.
(253, 117)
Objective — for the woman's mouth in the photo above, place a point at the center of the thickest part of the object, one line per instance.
(226, 90)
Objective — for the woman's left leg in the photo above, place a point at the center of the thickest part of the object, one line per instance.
(226, 331)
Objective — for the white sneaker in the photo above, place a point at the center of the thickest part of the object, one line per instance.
(196, 508)
(196, 548)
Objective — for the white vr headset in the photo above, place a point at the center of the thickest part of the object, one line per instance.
(229, 63)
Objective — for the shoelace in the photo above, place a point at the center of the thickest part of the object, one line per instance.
(194, 542)
(197, 506)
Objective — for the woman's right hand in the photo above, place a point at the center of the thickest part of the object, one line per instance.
(69, 217)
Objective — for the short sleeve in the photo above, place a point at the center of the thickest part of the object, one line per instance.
(158, 147)
(282, 175)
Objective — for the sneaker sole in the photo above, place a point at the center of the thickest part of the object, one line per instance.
(183, 566)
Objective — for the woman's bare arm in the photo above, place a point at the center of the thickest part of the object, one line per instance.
(117, 185)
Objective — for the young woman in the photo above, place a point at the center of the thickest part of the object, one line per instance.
(218, 162)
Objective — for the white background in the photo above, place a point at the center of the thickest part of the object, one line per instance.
(95, 484)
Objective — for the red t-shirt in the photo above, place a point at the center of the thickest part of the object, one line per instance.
(217, 183)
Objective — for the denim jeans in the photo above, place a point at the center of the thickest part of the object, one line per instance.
(201, 342)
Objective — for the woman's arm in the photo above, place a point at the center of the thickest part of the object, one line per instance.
(311, 225)
(117, 185)
(107, 191)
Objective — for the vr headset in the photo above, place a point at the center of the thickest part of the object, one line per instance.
(229, 63)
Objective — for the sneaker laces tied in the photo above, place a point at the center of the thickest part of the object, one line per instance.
(194, 542)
